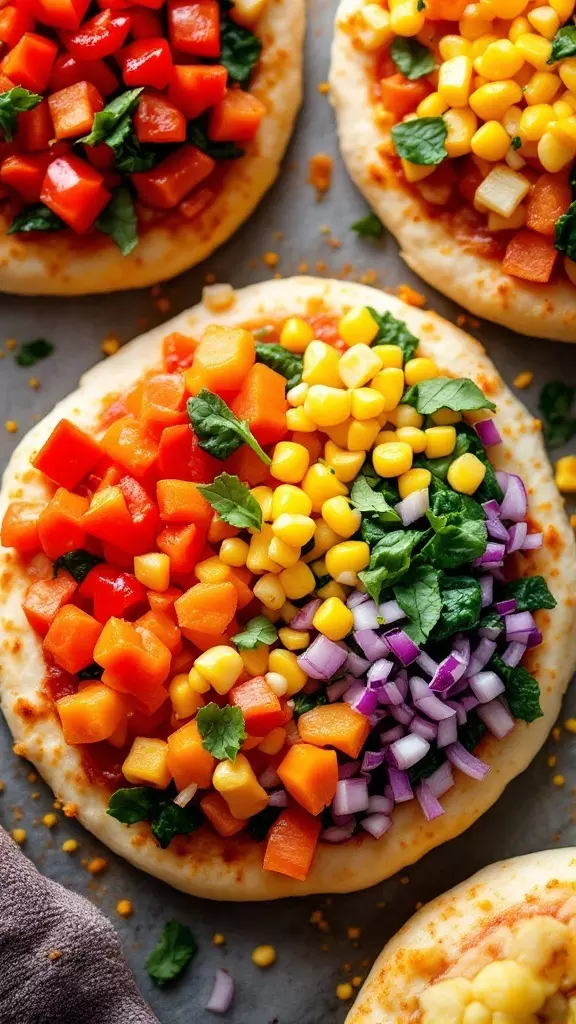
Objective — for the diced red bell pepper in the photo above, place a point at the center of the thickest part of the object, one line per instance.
(166, 184)
(20, 527)
(68, 70)
(44, 598)
(74, 191)
(530, 256)
(117, 594)
(68, 455)
(178, 351)
(194, 26)
(101, 36)
(183, 545)
(146, 62)
(100, 156)
(61, 13)
(134, 659)
(158, 120)
(259, 704)
(236, 118)
(126, 442)
(14, 23)
(182, 458)
(60, 525)
(196, 87)
(114, 5)
(35, 130)
(30, 62)
(25, 174)
(145, 24)
(73, 108)
(155, 5)
(144, 514)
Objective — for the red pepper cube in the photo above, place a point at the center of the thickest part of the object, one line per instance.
(259, 704)
(101, 36)
(166, 184)
(30, 62)
(146, 62)
(72, 638)
(117, 594)
(14, 23)
(68, 71)
(44, 598)
(25, 173)
(61, 13)
(145, 24)
(194, 27)
(73, 108)
(183, 545)
(74, 191)
(178, 351)
(154, 5)
(60, 527)
(196, 87)
(100, 156)
(158, 120)
(35, 130)
(236, 118)
(68, 455)
(143, 512)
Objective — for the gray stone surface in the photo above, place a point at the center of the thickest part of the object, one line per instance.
(300, 988)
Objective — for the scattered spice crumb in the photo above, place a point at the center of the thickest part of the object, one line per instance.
(34, 383)
(570, 725)
(324, 229)
(316, 916)
(57, 805)
(357, 980)
(32, 777)
(278, 276)
(321, 266)
(54, 954)
(218, 939)
(556, 837)
(324, 948)
(271, 259)
(523, 380)
(558, 780)
(124, 908)
(264, 956)
(461, 320)
(49, 820)
(17, 813)
(353, 933)
(573, 521)
(380, 905)
(11, 344)
(155, 291)
(411, 296)
(404, 880)
(347, 968)
(552, 761)
(323, 88)
(335, 244)
(344, 991)
(368, 277)
(19, 835)
(2, 354)
(70, 845)
(418, 905)
(97, 865)
(365, 963)
(278, 235)
(320, 176)
(556, 733)
(35, 796)
(110, 345)
(209, 278)
(2, 785)
(163, 305)
(70, 810)
(11, 426)
(19, 749)
(323, 926)
(303, 269)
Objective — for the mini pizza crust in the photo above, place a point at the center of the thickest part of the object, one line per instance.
(452, 936)
(64, 264)
(429, 246)
(204, 864)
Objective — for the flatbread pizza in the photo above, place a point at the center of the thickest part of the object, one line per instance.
(263, 645)
(499, 946)
(136, 140)
(454, 122)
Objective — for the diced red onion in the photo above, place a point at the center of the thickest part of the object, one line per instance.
(434, 708)
(336, 690)
(322, 659)
(222, 995)
(372, 759)
(390, 735)
(376, 824)
(380, 804)
(419, 688)
(378, 673)
(374, 646)
(441, 780)
(422, 727)
(513, 654)
(493, 555)
(402, 713)
(407, 751)
(467, 762)
(356, 665)
(515, 502)
(427, 664)
(337, 834)
(469, 703)
(461, 715)
(366, 615)
(491, 509)
(481, 656)
(496, 530)
(389, 693)
(390, 611)
(402, 646)
(488, 432)
(378, 716)
(496, 718)
(305, 615)
(518, 622)
(413, 507)
(278, 798)
(351, 796)
(355, 598)
(487, 590)
(400, 785)
(361, 699)
(268, 779)
(506, 607)
(516, 537)
(502, 478)
(186, 795)
(534, 638)
(533, 541)
(490, 632)
(343, 820)
(486, 686)
(447, 731)
(348, 769)
(449, 671)
(431, 806)
(461, 646)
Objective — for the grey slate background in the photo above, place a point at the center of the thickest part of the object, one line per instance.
(533, 813)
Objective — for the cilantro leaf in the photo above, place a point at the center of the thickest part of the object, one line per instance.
(129, 156)
(173, 953)
(365, 499)
(78, 563)
(222, 730)
(239, 51)
(119, 221)
(35, 218)
(565, 231)
(13, 102)
(31, 352)
(421, 141)
(555, 404)
(420, 6)
(233, 501)
(516, 142)
(369, 226)
(258, 631)
(563, 44)
(461, 599)
(530, 593)
(286, 363)
(389, 560)
(173, 820)
(418, 594)
(411, 58)
(522, 690)
(218, 430)
(304, 702)
(167, 819)
(457, 393)
(217, 150)
(393, 332)
(107, 121)
(132, 805)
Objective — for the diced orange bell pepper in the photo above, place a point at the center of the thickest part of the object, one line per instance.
(183, 545)
(313, 442)
(20, 527)
(204, 641)
(164, 602)
(60, 13)
(126, 443)
(241, 578)
(236, 118)
(144, 515)
(247, 466)
(72, 109)
(180, 501)
(71, 638)
(262, 401)
(162, 402)
(35, 130)
(547, 200)
(158, 120)
(188, 761)
(217, 811)
(310, 774)
(134, 659)
(259, 704)
(45, 598)
(25, 172)
(194, 27)
(74, 191)
(197, 87)
(165, 185)
(336, 725)
(163, 627)
(108, 517)
(60, 526)
(207, 607)
(400, 95)
(291, 843)
(181, 457)
(223, 358)
(177, 351)
(530, 256)
(14, 22)
(91, 715)
(30, 62)
(68, 455)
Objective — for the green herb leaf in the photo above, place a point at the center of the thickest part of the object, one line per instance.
(555, 404)
(457, 543)
(260, 824)
(12, 103)
(420, 6)
(393, 332)
(459, 394)
(444, 502)
(35, 218)
(217, 150)
(92, 671)
(218, 430)
(563, 44)
(120, 222)
(286, 363)
(389, 560)
(258, 631)
(461, 599)
(522, 690)
(173, 820)
(31, 352)
(490, 619)
(365, 499)
(421, 141)
(418, 594)
(530, 593)
(233, 502)
(78, 563)
(129, 156)
(369, 226)
(106, 121)
(565, 231)
(239, 51)
(167, 819)
(132, 805)
(516, 142)
(411, 58)
(173, 953)
(426, 766)
(222, 730)
(304, 702)
(439, 467)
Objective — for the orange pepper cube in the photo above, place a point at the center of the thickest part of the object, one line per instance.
(337, 725)
(262, 402)
(188, 761)
(137, 660)
(91, 715)
(224, 357)
(310, 775)
(72, 109)
(45, 598)
(147, 763)
(68, 455)
(71, 638)
(108, 518)
(259, 704)
(20, 527)
(291, 843)
(162, 402)
(180, 501)
(163, 627)
(207, 607)
(126, 443)
(236, 118)
(183, 545)
(60, 526)
(218, 813)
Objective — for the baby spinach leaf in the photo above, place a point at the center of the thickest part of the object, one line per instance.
(13, 102)
(421, 141)
(304, 702)
(31, 352)
(173, 953)
(366, 499)
(233, 501)
(489, 488)
(167, 819)
(444, 502)
(411, 58)
(393, 332)
(456, 393)
(106, 121)
(565, 230)
(460, 541)
(119, 221)
(286, 363)
(196, 134)
(222, 730)
(461, 599)
(129, 806)
(78, 563)
(35, 218)
(418, 594)
(490, 619)
(218, 430)
(439, 467)
(555, 405)
(369, 226)
(173, 820)
(258, 631)
(129, 156)
(389, 560)
(260, 824)
(371, 531)
(563, 44)
(239, 51)
(522, 690)
(530, 593)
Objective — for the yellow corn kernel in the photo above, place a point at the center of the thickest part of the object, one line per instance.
(564, 8)
(545, 21)
(562, 109)
(237, 783)
(440, 441)
(534, 121)
(513, 222)
(491, 141)
(211, 570)
(282, 553)
(320, 364)
(147, 763)
(247, 13)
(258, 560)
(185, 700)
(390, 355)
(419, 369)
(297, 394)
(415, 172)
(333, 619)
(413, 436)
(340, 515)
(293, 639)
(413, 480)
(503, 189)
(220, 666)
(289, 462)
(433, 105)
(277, 683)
(294, 529)
(386, 437)
(390, 383)
(288, 611)
(446, 417)
(269, 591)
(466, 473)
(286, 664)
(542, 89)
(479, 46)
(346, 559)
(554, 152)
(500, 60)
(298, 419)
(324, 538)
(406, 19)
(296, 335)
(153, 571)
(287, 498)
(273, 741)
(346, 465)
(357, 366)
(327, 407)
(233, 551)
(358, 326)
(263, 496)
(507, 8)
(321, 483)
(461, 125)
(565, 474)
(491, 101)
(470, 27)
(298, 581)
(405, 416)
(535, 50)
(333, 589)
(567, 72)
(197, 682)
(338, 433)
(372, 29)
(366, 403)
(362, 434)
(453, 46)
(510, 988)
(454, 80)
(256, 661)
(392, 459)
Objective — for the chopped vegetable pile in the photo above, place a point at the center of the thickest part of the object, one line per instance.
(478, 103)
(283, 587)
(114, 113)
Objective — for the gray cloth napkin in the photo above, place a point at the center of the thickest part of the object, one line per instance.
(87, 983)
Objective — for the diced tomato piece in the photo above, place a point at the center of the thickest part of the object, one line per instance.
(158, 120)
(100, 156)
(401, 96)
(101, 36)
(144, 24)
(180, 501)
(181, 457)
(75, 192)
(68, 455)
(20, 527)
(248, 466)
(35, 130)
(236, 118)
(196, 87)
(44, 598)
(126, 442)
(194, 26)
(14, 23)
(166, 184)
(144, 513)
(197, 201)
(547, 200)
(68, 71)
(61, 13)
(259, 705)
(73, 108)
(530, 256)
(146, 62)
(30, 62)
(178, 351)
(25, 174)
(114, 5)
(155, 5)
(470, 177)
(117, 594)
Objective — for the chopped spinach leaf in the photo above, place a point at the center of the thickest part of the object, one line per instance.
(369, 226)
(173, 820)
(13, 102)
(258, 631)
(260, 824)
(393, 332)
(456, 542)
(31, 352)
(233, 502)
(78, 563)
(239, 51)
(119, 221)
(421, 141)
(461, 599)
(304, 702)
(439, 467)
(166, 818)
(139, 803)
(389, 560)
(426, 766)
(471, 732)
(555, 404)
(107, 121)
(530, 593)
(491, 620)
(366, 499)
(173, 953)
(286, 363)
(129, 156)
(522, 690)
(563, 44)
(222, 730)
(218, 430)
(516, 142)
(457, 393)
(411, 58)
(565, 231)
(35, 218)
(418, 594)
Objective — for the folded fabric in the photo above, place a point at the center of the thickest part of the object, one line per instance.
(62, 962)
